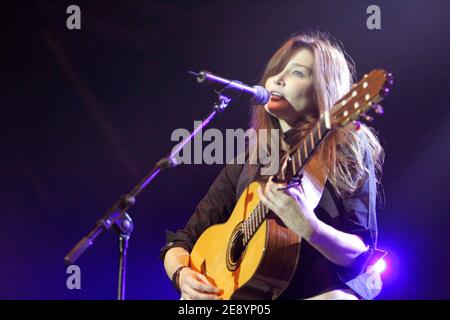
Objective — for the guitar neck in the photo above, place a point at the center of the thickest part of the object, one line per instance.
(299, 157)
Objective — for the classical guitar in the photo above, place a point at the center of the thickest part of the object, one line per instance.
(254, 255)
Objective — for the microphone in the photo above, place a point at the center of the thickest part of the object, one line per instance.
(256, 94)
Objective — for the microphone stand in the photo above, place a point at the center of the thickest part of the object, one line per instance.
(117, 216)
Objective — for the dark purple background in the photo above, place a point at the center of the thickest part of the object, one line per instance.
(85, 114)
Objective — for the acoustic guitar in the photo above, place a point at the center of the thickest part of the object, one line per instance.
(254, 255)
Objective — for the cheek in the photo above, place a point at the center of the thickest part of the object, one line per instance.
(267, 82)
(303, 97)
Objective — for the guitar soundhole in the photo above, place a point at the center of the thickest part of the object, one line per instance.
(235, 248)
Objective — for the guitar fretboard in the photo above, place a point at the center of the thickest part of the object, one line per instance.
(252, 223)
(300, 156)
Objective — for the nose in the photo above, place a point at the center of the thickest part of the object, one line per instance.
(279, 80)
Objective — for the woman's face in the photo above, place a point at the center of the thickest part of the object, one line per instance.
(292, 89)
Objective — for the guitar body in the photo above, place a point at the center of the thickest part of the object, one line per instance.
(262, 269)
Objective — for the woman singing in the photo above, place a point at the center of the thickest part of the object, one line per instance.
(305, 77)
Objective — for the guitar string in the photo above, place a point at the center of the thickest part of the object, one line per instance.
(219, 258)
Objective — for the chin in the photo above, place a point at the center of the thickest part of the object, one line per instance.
(286, 113)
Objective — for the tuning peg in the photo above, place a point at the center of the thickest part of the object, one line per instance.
(384, 92)
(366, 117)
(378, 109)
(390, 79)
(357, 125)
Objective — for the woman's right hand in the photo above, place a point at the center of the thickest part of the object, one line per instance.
(195, 286)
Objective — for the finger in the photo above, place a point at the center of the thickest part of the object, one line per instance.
(268, 203)
(207, 283)
(293, 192)
(270, 184)
(274, 186)
(198, 295)
(275, 195)
(273, 190)
(204, 287)
(270, 199)
(200, 283)
(296, 192)
(191, 289)
(203, 278)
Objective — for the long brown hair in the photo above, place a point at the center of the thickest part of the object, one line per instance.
(344, 150)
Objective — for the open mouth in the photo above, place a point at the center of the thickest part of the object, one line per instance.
(276, 96)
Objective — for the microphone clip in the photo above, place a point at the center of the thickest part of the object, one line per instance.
(222, 103)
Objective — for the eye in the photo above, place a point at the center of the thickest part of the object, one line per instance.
(298, 73)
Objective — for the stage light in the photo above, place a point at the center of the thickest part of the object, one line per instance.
(380, 266)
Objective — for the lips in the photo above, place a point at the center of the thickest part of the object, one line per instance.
(276, 96)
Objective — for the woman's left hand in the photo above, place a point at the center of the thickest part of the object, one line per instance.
(292, 206)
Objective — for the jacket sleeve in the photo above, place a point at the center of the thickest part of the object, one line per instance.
(359, 218)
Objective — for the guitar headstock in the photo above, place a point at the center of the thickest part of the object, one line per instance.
(364, 96)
